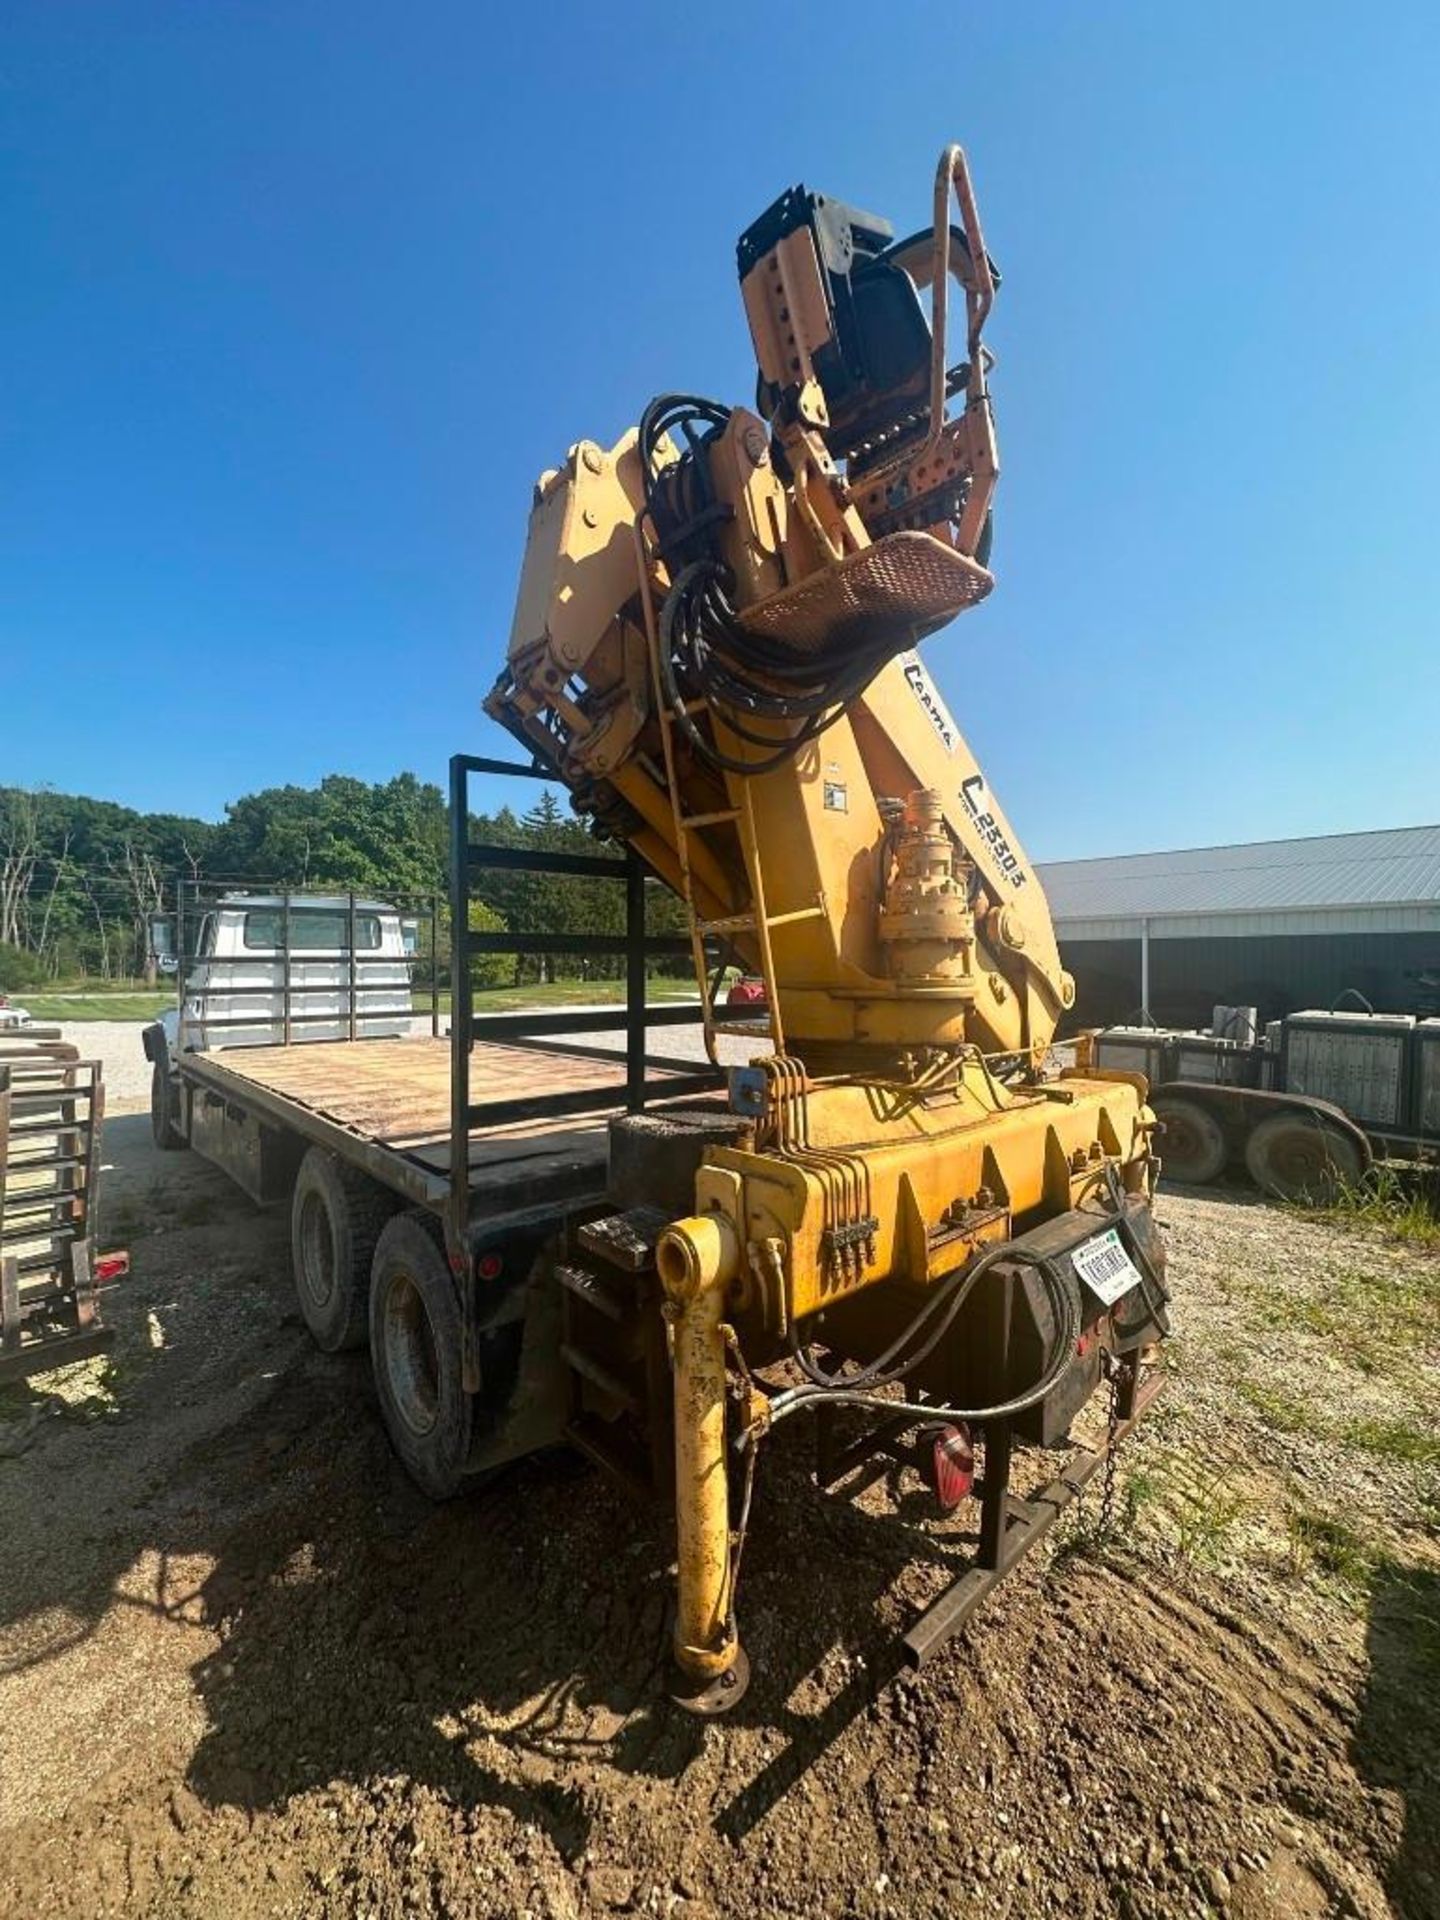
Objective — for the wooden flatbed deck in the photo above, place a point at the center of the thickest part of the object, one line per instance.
(385, 1105)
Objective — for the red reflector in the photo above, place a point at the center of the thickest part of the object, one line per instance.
(952, 1466)
(489, 1266)
(111, 1266)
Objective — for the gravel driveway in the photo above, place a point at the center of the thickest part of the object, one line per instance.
(116, 1045)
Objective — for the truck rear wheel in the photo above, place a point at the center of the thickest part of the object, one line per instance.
(167, 1135)
(1192, 1147)
(1298, 1157)
(415, 1339)
(336, 1217)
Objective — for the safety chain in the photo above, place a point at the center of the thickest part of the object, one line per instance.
(1107, 1493)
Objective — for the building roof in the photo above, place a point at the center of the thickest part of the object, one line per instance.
(1396, 866)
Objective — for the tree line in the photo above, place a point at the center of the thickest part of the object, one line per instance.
(80, 878)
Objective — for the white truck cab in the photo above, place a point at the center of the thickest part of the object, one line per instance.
(267, 970)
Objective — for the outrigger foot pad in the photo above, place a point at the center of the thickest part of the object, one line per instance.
(708, 1698)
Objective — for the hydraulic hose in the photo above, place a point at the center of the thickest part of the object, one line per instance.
(704, 648)
(860, 1389)
(895, 1362)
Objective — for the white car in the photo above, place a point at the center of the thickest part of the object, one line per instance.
(12, 1016)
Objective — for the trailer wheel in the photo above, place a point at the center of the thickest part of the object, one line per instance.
(167, 1135)
(1294, 1156)
(415, 1352)
(1192, 1147)
(336, 1217)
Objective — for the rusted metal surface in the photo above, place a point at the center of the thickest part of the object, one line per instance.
(1010, 1527)
(51, 1110)
(627, 1240)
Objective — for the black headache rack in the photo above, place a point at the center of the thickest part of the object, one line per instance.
(543, 1031)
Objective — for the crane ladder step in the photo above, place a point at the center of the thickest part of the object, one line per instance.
(749, 923)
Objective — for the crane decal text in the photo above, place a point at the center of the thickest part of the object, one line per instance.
(924, 689)
(972, 792)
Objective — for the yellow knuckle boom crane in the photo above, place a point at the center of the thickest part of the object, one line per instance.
(904, 1212)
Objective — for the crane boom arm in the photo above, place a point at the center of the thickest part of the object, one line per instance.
(714, 646)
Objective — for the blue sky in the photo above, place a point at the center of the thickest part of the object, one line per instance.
(300, 298)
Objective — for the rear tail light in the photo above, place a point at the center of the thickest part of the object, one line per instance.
(111, 1266)
(489, 1266)
(952, 1466)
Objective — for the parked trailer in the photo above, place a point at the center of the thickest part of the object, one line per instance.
(429, 1178)
(1305, 1110)
(52, 1106)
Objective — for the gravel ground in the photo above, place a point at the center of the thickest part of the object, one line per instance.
(116, 1045)
(246, 1670)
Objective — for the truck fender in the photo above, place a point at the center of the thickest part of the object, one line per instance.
(161, 1038)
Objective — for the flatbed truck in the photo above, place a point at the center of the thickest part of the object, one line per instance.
(714, 651)
(427, 1173)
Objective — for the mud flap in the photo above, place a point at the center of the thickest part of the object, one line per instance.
(522, 1404)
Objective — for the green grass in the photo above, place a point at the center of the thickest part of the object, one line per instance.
(1197, 1509)
(1184, 1507)
(1414, 1441)
(1392, 1201)
(1374, 1321)
(1284, 1414)
(1395, 1440)
(47, 1007)
(1323, 1540)
(568, 993)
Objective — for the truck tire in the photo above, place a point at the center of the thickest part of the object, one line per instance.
(167, 1135)
(1192, 1147)
(336, 1217)
(415, 1352)
(1298, 1157)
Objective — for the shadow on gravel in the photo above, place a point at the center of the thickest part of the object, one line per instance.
(489, 1648)
(1397, 1740)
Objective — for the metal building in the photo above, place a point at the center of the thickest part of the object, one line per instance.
(1277, 925)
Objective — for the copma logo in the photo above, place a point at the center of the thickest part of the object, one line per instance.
(921, 685)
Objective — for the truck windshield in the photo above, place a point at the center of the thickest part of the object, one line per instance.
(312, 930)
